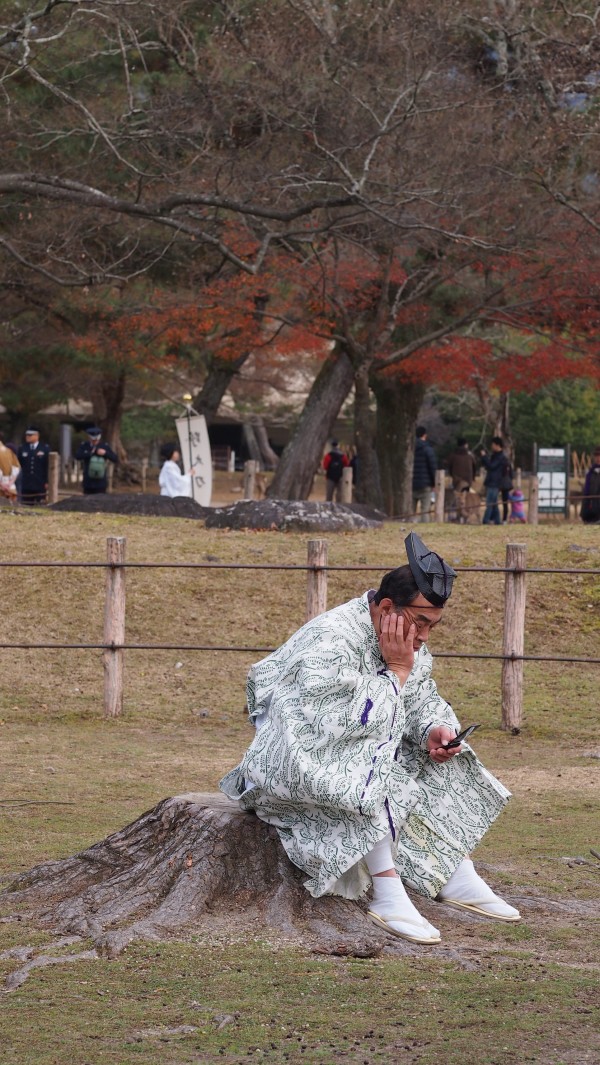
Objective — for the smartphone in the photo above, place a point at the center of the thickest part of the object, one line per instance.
(464, 735)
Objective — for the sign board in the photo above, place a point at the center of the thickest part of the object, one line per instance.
(195, 451)
(552, 467)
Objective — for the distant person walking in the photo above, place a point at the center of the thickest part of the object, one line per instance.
(172, 481)
(590, 507)
(34, 458)
(498, 468)
(424, 467)
(462, 468)
(95, 455)
(334, 464)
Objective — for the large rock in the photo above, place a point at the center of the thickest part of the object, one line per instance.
(293, 516)
(277, 514)
(144, 505)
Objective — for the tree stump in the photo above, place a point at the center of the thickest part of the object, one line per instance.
(193, 863)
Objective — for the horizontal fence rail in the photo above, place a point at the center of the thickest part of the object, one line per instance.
(269, 650)
(316, 569)
(277, 565)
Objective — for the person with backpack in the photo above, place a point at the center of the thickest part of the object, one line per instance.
(333, 464)
(95, 456)
(590, 507)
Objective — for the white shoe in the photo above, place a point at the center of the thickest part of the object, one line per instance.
(403, 927)
(468, 891)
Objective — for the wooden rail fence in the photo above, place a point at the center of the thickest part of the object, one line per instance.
(317, 568)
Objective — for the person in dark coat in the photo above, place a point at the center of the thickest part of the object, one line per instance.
(334, 464)
(34, 458)
(95, 455)
(424, 467)
(498, 468)
(590, 507)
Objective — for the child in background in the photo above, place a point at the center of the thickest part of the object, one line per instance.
(517, 506)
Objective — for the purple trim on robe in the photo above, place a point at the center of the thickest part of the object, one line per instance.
(367, 710)
(390, 822)
(363, 719)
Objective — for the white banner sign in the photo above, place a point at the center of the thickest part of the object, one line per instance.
(195, 451)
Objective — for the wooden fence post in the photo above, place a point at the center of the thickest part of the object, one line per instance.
(53, 471)
(346, 494)
(144, 474)
(532, 513)
(440, 495)
(518, 478)
(250, 468)
(513, 638)
(114, 626)
(316, 579)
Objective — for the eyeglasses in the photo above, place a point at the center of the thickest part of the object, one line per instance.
(419, 623)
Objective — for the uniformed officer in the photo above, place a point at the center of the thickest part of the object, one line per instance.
(33, 456)
(95, 455)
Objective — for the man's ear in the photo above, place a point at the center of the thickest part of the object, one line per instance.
(386, 605)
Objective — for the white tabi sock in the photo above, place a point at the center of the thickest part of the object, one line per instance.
(391, 903)
(469, 891)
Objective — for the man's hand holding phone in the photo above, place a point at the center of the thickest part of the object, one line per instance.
(443, 743)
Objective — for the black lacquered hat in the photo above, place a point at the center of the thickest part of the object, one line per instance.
(434, 577)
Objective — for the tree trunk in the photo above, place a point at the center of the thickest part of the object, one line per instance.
(193, 862)
(502, 426)
(269, 457)
(217, 382)
(252, 444)
(296, 470)
(368, 483)
(398, 404)
(108, 400)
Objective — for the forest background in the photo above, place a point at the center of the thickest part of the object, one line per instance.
(395, 203)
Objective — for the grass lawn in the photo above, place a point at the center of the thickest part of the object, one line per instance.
(490, 993)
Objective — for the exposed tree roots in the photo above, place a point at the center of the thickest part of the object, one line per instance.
(194, 862)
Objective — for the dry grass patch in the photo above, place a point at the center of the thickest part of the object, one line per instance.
(493, 994)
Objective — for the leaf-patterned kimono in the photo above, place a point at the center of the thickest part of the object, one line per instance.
(340, 760)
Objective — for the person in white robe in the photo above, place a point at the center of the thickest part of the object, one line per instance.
(350, 760)
(171, 480)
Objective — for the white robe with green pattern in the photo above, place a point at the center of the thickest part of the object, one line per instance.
(340, 760)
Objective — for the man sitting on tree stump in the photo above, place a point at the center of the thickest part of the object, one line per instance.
(350, 760)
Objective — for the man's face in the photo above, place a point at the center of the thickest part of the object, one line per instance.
(32, 438)
(421, 613)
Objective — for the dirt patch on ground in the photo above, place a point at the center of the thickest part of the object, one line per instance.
(570, 778)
